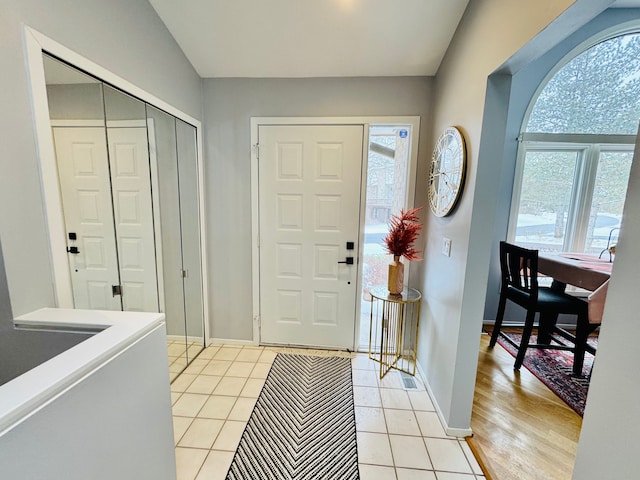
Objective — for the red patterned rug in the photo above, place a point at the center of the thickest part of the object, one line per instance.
(554, 368)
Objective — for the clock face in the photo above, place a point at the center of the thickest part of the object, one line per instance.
(447, 172)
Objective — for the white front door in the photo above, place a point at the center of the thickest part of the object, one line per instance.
(83, 170)
(309, 195)
(133, 213)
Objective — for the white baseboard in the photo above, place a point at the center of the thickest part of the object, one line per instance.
(231, 341)
(453, 432)
(458, 432)
(177, 338)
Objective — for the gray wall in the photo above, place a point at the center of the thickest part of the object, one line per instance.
(229, 105)
(20, 351)
(455, 287)
(6, 316)
(123, 36)
(76, 102)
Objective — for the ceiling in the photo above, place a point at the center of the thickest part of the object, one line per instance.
(312, 38)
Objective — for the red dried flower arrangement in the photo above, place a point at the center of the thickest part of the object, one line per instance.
(403, 232)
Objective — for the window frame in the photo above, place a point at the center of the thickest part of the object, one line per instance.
(588, 148)
(588, 145)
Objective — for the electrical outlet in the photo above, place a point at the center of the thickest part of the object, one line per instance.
(446, 247)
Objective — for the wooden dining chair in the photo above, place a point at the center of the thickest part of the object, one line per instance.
(519, 269)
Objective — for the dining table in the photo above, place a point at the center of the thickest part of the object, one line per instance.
(588, 272)
(579, 269)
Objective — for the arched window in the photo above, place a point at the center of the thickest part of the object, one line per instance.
(576, 150)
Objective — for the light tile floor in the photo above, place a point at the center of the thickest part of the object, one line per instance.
(398, 432)
(177, 351)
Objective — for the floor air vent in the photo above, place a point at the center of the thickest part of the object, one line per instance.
(408, 381)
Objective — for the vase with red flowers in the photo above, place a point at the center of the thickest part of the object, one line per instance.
(404, 229)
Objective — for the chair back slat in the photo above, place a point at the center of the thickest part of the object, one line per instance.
(519, 267)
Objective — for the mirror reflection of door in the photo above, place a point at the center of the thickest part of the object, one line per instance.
(128, 177)
(83, 170)
(76, 109)
(106, 195)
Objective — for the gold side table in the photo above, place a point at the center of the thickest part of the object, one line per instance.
(393, 336)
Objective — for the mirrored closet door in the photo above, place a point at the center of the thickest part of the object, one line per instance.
(128, 175)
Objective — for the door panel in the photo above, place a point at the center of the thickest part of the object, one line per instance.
(186, 147)
(84, 182)
(131, 185)
(163, 150)
(309, 182)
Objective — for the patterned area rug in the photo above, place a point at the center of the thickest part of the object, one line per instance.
(303, 424)
(554, 368)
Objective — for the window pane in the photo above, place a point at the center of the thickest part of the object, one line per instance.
(547, 181)
(596, 92)
(608, 199)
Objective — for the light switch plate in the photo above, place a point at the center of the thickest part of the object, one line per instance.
(446, 247)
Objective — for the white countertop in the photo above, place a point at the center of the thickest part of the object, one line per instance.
(30, 390)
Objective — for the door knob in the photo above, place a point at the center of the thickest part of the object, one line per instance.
(348, 261)
(73, 250)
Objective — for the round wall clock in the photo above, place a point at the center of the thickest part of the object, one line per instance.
(448, 166)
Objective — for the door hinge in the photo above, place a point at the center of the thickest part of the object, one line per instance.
(185, 273)
(257, 149)
(116, 290)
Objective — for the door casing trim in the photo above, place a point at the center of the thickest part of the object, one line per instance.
(365, 121)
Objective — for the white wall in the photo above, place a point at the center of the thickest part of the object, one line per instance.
(123, 36)
(608, 446)
(115, 423)
(229, 105)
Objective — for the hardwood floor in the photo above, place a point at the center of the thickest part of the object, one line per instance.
(522, 430)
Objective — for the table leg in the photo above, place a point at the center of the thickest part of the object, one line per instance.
(394, 340)
(548, 321)
(583, 330)
(400, 334)
(384, 339)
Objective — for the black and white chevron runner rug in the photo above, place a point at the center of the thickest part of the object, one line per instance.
(303, 424)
